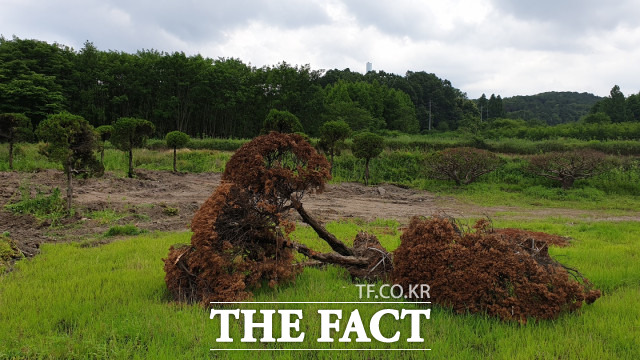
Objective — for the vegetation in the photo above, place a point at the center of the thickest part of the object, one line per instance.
(129, 133)
(9, 252)
(104, 132)
(367, 146)
(111, 302)
(71, 141)
(124, 230)
(569, 166)
(44, 206)
(14, 128)
(332, 136)
(462, 165)
(175, 140)
(282, 122)
(550, 108)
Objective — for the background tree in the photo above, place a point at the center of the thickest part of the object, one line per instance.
(129, 133)
(462, 165)
(367, 146)
(176, 140)
(104, 132)
(282, 121)
(14, 128)
(596, 118)
(332, 136)
(72, 142)
(567, 167)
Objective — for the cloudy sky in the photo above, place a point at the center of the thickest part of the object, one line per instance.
(506, 47)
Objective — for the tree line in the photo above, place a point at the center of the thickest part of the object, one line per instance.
(222, 97)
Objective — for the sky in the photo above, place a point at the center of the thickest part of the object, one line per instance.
(502, 47)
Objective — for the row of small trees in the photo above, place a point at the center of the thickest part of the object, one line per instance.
(72, 141)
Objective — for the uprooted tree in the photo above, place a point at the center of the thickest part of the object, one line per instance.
(506, 273)
(241, 241)
(241, 233)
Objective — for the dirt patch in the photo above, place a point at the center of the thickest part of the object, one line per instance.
(166, 201)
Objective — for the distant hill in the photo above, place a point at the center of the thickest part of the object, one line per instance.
(550, 107)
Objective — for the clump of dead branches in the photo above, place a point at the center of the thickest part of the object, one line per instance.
(506, 273)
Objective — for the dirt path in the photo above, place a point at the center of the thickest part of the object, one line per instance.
(145, 200)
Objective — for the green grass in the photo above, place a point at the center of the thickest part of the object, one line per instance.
(124, 230)
(45, 205)
(110, 302)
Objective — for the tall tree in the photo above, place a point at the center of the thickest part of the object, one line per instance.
(14, 128)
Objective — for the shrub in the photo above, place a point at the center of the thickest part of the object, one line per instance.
(104, 132)
(567, 167)
(462, 165)
(367, 146)
(506, 273)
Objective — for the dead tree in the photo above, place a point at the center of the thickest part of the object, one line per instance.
(241, 234)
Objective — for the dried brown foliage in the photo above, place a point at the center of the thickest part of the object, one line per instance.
(506, 273)
(236, 245)
(569, 166)
(462, 165)
(239, 233)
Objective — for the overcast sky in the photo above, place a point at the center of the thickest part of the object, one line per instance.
(506, 47)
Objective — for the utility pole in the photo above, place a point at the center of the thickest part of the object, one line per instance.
(429, 115)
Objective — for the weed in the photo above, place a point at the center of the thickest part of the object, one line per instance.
(42, 206)
(170, 211)
(124, 230)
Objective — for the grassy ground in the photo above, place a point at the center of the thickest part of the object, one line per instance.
(110, 302)
(616, 191)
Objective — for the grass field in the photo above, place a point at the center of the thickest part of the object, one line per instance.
(110, 302)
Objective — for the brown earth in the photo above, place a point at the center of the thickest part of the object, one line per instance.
(146, 201)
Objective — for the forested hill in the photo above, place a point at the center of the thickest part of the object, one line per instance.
(550, 107)
(221, 97)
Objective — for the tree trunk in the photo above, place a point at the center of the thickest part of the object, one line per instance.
(337, 245)
(130, 174)
(102, 156)
(366, 172)
(174, 160)
(10, 155)
(331, 168)
(567, 182)
(69, 187)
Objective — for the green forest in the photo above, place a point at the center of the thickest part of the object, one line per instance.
(227, 98)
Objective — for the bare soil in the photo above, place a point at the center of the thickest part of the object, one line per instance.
(147, 200)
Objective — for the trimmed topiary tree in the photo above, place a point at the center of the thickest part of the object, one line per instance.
(332, 136)
(282, 122)
(367, 146)
(14, 128)
(129, 133)
(104, 132)
(71, 141)
(176, 140)
(462, 165)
